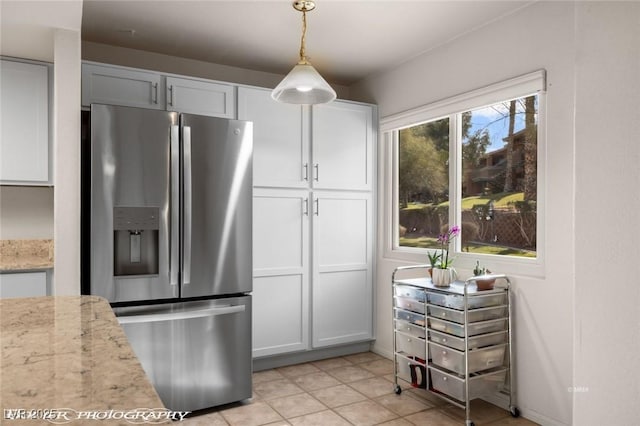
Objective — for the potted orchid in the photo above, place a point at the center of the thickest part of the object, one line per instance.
(434, 258)
(443, 273)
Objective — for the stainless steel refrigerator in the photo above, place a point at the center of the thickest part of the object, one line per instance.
(169, 246)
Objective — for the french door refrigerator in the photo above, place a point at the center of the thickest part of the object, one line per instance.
(170, 246)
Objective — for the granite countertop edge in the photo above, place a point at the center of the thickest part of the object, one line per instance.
(68, 351)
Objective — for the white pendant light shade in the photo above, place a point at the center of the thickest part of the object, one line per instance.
(303, 85)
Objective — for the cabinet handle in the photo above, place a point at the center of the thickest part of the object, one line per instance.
(155, 93)
(316, 168)
(306, 171)
(305, 207)
(317, 202)
(170, 95)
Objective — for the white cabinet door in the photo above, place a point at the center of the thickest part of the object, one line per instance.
(281, 271)
(116, 86)
(24, 118)
(23, 284)
(200, 97)
(342, 286)
(342, 146)
(280, 139)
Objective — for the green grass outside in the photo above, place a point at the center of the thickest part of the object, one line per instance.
(500, 200)
(428, 242)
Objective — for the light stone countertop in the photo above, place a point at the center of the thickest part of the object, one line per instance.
(25, 255)
(68, 352)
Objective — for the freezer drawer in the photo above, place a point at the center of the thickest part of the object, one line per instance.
(478, 341)
(196, 354)
(479, 359)
(473, 315)
(456, 301)
(479, 385)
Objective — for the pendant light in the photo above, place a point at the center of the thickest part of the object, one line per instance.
(303, 84)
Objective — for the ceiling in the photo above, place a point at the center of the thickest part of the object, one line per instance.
(346, 40)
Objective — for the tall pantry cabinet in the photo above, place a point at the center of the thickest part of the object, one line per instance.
(313, 222)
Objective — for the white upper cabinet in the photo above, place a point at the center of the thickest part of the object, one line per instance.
(200, 97)
(118, 86)
(113, 85)
(342, 146)
(280, 147)
(24, 118)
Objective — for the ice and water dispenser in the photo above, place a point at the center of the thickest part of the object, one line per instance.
(135, 240)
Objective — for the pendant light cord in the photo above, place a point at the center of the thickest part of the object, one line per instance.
(303, 55)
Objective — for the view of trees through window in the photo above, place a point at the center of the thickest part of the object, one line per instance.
(498, 179)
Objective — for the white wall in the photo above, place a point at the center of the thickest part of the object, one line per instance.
(540, 36)
(26, 213)
(66, 110)
(607, 227)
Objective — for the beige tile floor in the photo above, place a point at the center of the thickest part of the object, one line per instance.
(349, 390)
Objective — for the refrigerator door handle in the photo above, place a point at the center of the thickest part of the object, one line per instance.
(187, 198)
(174, 223)
(173, 316)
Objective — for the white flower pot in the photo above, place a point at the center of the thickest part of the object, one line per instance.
(443, 277)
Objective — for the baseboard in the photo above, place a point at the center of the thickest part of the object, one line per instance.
(502, 400)
(267, 363)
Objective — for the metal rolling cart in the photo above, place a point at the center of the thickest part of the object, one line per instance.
(455, 342)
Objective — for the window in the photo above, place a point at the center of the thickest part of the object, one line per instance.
(472, 161)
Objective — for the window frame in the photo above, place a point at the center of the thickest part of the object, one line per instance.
(518, 87)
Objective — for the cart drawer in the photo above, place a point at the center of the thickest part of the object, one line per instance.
(473, 315)
(479, 385)
(409, 304)
(412, 292)
(478, 341)
(479, 359)
(411, 346)
(456, 301)
(411, 317)
(410, 329)
(412, 371)
(474, 329)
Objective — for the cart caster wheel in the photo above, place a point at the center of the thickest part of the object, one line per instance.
(398, 390)
(514, 411)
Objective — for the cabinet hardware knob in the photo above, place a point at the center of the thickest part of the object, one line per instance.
(444, 379)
